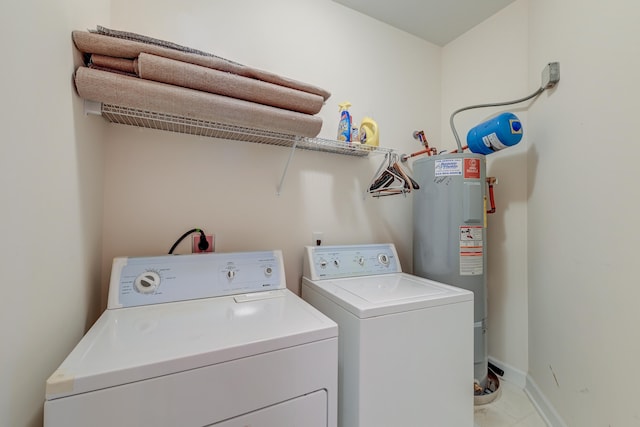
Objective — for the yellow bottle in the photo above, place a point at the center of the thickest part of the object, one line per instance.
(369, 132)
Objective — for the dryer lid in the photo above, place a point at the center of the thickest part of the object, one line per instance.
(370, 296)
(139, 343)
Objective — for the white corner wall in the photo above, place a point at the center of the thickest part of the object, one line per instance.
(562, 295)
(160, 184)
(489, 64)
(584, 344)
(50, 223)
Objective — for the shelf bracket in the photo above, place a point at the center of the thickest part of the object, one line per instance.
(286, 167)
(92, 107)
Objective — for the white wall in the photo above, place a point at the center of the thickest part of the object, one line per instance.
(584, 344)
(485, 65)
(562, 297)
(52, 159)
(51, 191)
(562, 306)
(229, 187)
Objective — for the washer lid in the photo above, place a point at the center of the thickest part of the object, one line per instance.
(370, 296)
(138, 343)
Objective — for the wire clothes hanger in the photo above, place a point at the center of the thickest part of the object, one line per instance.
(391, 179)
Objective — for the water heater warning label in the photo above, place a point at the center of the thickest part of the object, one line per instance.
(471, 169)
(471, 250)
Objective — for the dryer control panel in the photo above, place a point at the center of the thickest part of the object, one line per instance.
(169, 278)
(332, 262)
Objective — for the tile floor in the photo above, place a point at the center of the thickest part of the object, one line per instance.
(511, 409)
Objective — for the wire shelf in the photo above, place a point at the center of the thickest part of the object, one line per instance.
(173, 123)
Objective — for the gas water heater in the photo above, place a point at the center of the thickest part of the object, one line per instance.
(449, 214)
(449, 242)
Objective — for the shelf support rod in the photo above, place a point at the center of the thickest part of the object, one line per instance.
(286, 167)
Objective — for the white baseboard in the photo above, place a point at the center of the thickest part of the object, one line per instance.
(538, 399)
(513, 375)
(542, 405)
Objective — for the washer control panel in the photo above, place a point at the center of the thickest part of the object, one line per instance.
(331, 262)
(169, 278)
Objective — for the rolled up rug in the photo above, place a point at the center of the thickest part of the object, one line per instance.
(132, 92)
(91, 43)
(109, 63)
(165, 70)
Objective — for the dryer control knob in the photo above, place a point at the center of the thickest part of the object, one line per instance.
(147, 282)
(384, 259)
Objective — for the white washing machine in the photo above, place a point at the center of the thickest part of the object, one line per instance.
(405, 344)
(200, 340)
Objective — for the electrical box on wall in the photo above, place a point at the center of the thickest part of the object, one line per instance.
(551, 75)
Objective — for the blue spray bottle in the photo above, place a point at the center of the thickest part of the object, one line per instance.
(344, 127)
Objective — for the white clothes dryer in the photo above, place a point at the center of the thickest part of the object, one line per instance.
(200, 340)
(405, 343)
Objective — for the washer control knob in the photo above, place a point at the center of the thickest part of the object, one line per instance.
(268, 271)
(384, 259)
(323, 263)
(336, 263)
(361, 260)
(147, 282)
(231, 274)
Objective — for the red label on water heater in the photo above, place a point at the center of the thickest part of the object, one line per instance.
(471, 169)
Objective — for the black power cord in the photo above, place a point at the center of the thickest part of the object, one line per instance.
(203, 244)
